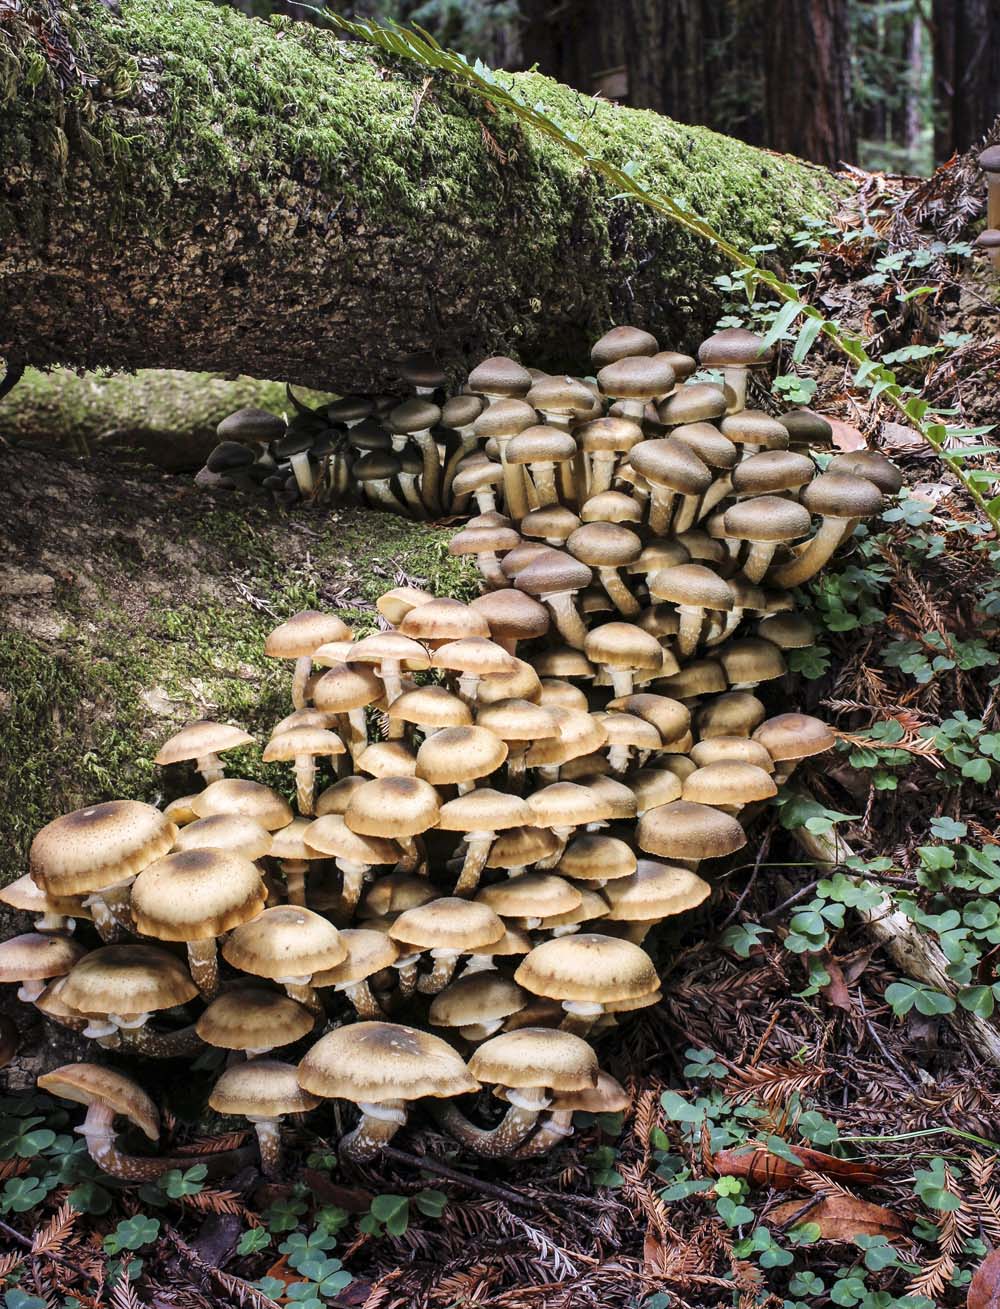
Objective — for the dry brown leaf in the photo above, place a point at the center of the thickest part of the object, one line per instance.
(846, 437)
(835, 992)
(762, 1168)
(984, 1289)
(842, 1218)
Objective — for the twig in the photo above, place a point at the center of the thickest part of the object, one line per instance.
(460, 1179)
(911, 1082)
(15, 1235)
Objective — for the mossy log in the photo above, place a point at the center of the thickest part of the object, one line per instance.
(183, 187)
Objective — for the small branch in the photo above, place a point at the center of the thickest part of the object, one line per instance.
(460, 1179)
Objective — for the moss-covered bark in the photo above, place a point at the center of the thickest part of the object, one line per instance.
(193, 189)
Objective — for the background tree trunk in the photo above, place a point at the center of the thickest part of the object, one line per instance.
(186, 188)
(966, 36)
(807, 80)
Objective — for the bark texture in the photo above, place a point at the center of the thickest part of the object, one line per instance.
(966, 36)
(808, 80)
(182, 187)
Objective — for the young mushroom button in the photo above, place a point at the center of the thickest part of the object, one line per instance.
(262, 1091)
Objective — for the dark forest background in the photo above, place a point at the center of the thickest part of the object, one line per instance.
(893, 84)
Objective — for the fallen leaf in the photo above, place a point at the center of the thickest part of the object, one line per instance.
(762, 1168)
(896, 436)
(353, 1199)
(846, 437)
(652, 1252)
(984, 1289)
(931, 492)
(841, 1218)
(835, 991)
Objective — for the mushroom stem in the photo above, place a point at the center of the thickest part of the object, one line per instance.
(211, 768)
(489, 567)
(815, 555)
(412, 496)
(516, 767)
(618, 757)
(305, 783)
(301, 675)
(602, 471)
(736, 380)
(379, 1124)
(513, 483)
(624, 601)
(391, 674)
(661, 502)
(268, 1132)
(544, 477)
(566, 618)
(555, 1128)
(549, 861)
(430, 482)
(380, 493)
(716, 493)
(407, 970)
(302, 990)
(294, 872)
(687, 513)
(413, 860)
(621, 681)
(352, 876)
(689, 633)
(357, 738)
(580, 1017)
(159, 1045)
(364, 1002)
(302, 472)
(468, 688)
(758, 560)
(98, 1131)
(203, 961)
(467, 445)
(445, 963)
(478, 846)
(501, 1140)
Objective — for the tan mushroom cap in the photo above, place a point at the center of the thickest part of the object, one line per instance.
(729, 782)
(751, 659)
(655, 786)
(93, 1084)
(540, 444)
(519, 720)
(559, 694)
(511, 615)
(530, 895)
(771, 471)
(708, 443)
(736, 713)
(179, 811)
(477, 655)
(286, 941)
(201, 738)
(521, 846)
(396, 603)
(260, 1088)
(345, 687)
(587, 967)
(253, 1018)
(235, 795)
(692, 402)
(394, 892)
(394, 807)
(484, 810)
(331, 836)
(611, 507)
(489, 539)
(794, 736)
(842, 495)
(390, 647)
(630, 730)
(99, 846)
(500, 375)
(622, 343)
(448, 923)
(127, 980)
(686, 830)
(25, 894)
(300, 742)
(459, 754)
(523, 683)
(563, 661)
(304, 632)
(552, 523)
(623, 645)
(233, 832)
(609, 435)
(337, 796)
(372, 1062)
(328, 655)
(477, 998)
(368, 952)
(36, 956)
(767, 518)
(699, 677)
(552, 573)
(755, 427)
(670, 718)
(387, 759)
(614, 792)
(655, 891)
(567, 804)
(536, 1057)
(431, 706)
(196, 895)
(577, 734)
(691, 584)
(671, 463)
(742, 748)
(735, 345)
(290, 844)
(444, 619)
(607, 1097)
(561, 395)
(604, 545)
(591, 907)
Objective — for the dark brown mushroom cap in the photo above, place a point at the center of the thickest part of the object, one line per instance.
(806, 428)
(421, 369)
(371, 1062)
(682, 364)
(669, 462)
(989, 160)
(754, 427)
(461, 411)
(376, 466)
(988, 239)
(772, 470)
(767, 518)
(871, 465)
(369, 434)
(552, 573)
(622, 343)
(500, 375)
(686, 830)
(512, 615)
(540, 444)
(99, 846)
(414, 415)
(735, 347)
(636, 378)
(693, 402)
(604, 545)
(693, 585)
(841, 495)
(561, 395)
(249, 424)
(708, 443)
(505, 418)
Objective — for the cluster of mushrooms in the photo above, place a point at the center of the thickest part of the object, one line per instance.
(494, 802)
(988, 240)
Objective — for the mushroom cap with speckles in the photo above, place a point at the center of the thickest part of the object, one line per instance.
(622, 343)
(99, 846)
(536, 1057)
(686, 830)
(261, 1088)
(476, 998)
(794, 736)
(448, 923)
(127, 980)
(368, 952)
(304, 632)
(196, 895)
(36, 956)
(233, 832)
(734, 346)
(330, 835)
(459, 754)
(249, 1017)
(286, 941)
(530, 895)
(589, 967)
(371, 1062)
(236, 795)
(201, 738)
(89, 1084)
(484, 810)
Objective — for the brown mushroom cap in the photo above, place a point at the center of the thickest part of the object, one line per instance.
(735, 346)
(201, 738)
(842, 495)
(521, 683)
(286, 941)
(519, 720)
(693, 585)
(685, 830)
(500, 375)
(771, 471)
(622, 343)
(397, 602)
(253, 1018)
(459, 754)
(536, 1057)
(337, 796)
(587, 967)
(92, 1084)
(390, 647)
(448, 923)
(299, 742)
(699, 677)
(373, 1062)
(301, 634)
(655, 891)
(614, 792)
(741, 748)
(560, 395)
(729, 782)
(235, 795)
(330, 835)
(368, 952)
(670, 718)
(593, 857)
(751, 659)
(387, 759)
(521, 846)
(692, 402)
(474, 655)
(767, 518)
(530, 895)
(639, 377)
(345, 687)
(611, 507)
(394, 892)
(872, 465)
(196, 895)
(671, 463)
(553, 573)
(736, 713)
(232, 832)
(476, 998)
(36, 956)
(567, 804)
(607, 1097)
(443, 619)
(484, 810)
(609, 435)
(511, 615)
(794, 736)
(99, 846)
(260, 1088)
(623, 645)
(431, 706)
(414, 415)
(708, 443)
(655, 786)
(394, 807)
(127, 980)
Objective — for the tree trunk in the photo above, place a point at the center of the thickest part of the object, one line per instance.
(808, 80)
(665, 40)
(966, 35)
(182, 187)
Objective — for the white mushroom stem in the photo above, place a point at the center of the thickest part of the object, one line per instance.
(430, 482)
(621, 680)
(514, 490)
(489, 567)
(391, 673)
(624, 601)
(581, 1015)
(758, 559)
(300, 679)
(563, 834)
(477, 850)
(211, 768)
(203, 961)
(110, 909)
(302, 472)
(814, 556)
(29, 990)
(305, 783)
(736, 380)
(380, 493)
(602, 471)
(479, 963)
(618, 758)
(379, 1124)
(407, 971)
(517, 755)
(486, 500)
(525, 1106)
(361, 997)
(55, 924)
(294, 872)
(408, 485)
(723, 625)
(689, 633)
(716, 493)
(352, 880)
(476, 1032)
(564, 613)
(268, 1132)
(544, 477)
(555, 1128)
(661, 503)
(467, 444)
(302, 989)
(445, 963)
(468, 687)
(98, 1131)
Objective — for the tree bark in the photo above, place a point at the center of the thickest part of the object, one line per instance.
(966, 37)
(808, 87)
(183, 187)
